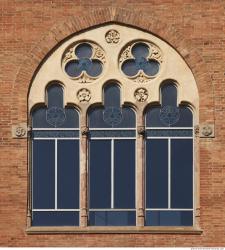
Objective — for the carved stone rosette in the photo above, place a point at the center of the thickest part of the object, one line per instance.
(84, 95)
(112, 36)
(155, 54)
(141, 94)
(19, 131)
(97, 54)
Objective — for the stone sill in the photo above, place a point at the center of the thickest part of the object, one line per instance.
(115, 230)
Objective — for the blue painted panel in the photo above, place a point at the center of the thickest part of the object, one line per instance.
(115, 218)
(124, 174)
(43, 174)
(169, 95)
(55, 95)
(43, 218)
(100, 173)
(112, 95)
(157, 173)
(169, 218)
(181, 173)
(68, 174)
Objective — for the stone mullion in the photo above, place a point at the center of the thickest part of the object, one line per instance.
(140, 169)
(83, 170)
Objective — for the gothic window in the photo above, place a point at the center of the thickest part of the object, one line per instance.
(113, 111)
(112, 162)
(169, 162)
(55, 164)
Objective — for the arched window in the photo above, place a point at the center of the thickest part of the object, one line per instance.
(169, 162)
(55, 162)
(128, 157)
(112, 162)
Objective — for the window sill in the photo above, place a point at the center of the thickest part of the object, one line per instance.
(116, 230)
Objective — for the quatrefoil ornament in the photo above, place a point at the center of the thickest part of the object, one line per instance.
(141, 61)
(84, 62)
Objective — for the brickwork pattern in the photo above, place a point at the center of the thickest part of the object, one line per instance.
(30, 29)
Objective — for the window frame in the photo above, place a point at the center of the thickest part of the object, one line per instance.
(139, 107)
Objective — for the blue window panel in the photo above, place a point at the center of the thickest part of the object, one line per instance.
(55, 95)
(125, 118)
(140, 50)
(83, 50)
(124, 174)
(43, 174)
(39, 118)
(100, 173)
(112, 95)
(68, 174)
(72, 118)
(115, 218)
(43, 218)
(169, 95)
(157, 173)
(169, 132)
(169, 218)
(130, 68)
(152, 117)
(182, 173)
(55, 133)
(186, 117)
(112, 133)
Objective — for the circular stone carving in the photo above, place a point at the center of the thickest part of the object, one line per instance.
(207, 130)
(112, 36)
(169, 115)
(55, 116)
(112, 116)
(141, 94)
(20, 132)
(84, 95)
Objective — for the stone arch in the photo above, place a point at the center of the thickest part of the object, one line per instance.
(77, 24)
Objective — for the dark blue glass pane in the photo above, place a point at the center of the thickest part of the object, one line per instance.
(181, 173)
(68, 173)
(43, 174)
(130, 68)
(112, 117)
(112, 133)
(55, 117)
(83, 50)
(95, 68)
(140, 50)
(152, 117)
(186, 117)
(55, 96)
(124, 173)
(118, 218)
(43, 218)
(112, 95)
(169, 218)
(169, 95)
(100, 173)
(151, 67)
(55, 134)
(39, 118)
(169, 132)
(157, 173)
(73, 68)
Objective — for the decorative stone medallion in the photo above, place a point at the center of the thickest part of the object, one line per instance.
(207, 131)
(141, 94)
(112, 36)
(19, 131)
(84, 95)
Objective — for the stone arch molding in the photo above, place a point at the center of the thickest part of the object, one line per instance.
(147, 27)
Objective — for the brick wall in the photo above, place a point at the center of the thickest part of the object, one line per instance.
(31, 28)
